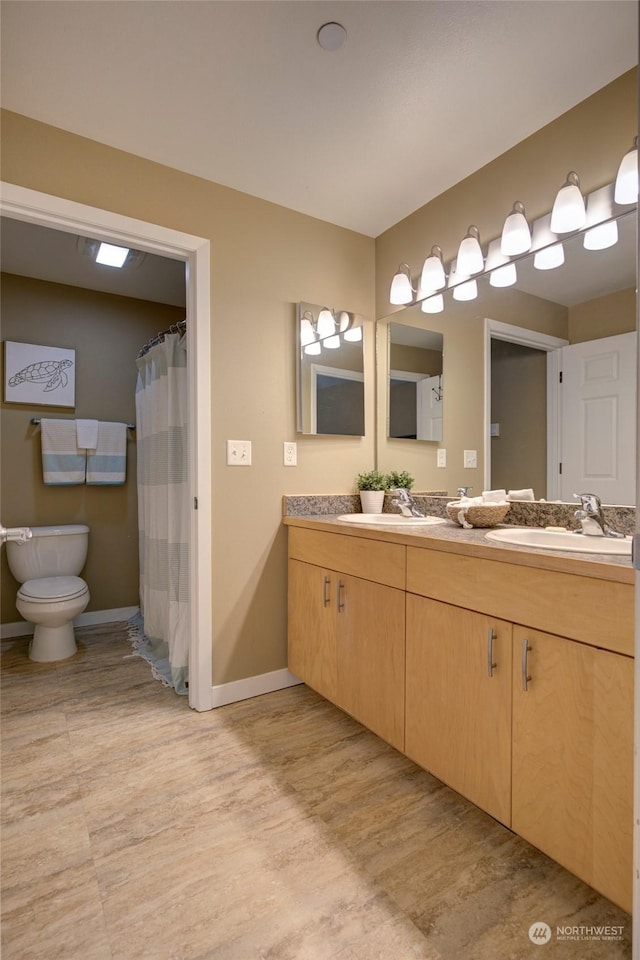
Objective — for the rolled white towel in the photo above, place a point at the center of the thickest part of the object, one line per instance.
(526, 494)
(494, 496)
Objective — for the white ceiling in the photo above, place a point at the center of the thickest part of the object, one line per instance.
(423, 93)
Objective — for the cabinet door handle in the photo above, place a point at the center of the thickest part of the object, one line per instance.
(340, 596)
(525, 674)
(491, 665)
(326, 599)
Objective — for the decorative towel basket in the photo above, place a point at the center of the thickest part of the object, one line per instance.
(480, 515)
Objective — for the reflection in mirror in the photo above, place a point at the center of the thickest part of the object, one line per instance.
(329, 371)
(416, 388)
(585, 439)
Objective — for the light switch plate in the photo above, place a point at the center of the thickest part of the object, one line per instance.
(239, 453)
(442, 457)
(471, 458)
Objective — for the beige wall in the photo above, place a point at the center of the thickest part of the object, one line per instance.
(603, 317)
(591, 138)
(264, 259)
(106, 332)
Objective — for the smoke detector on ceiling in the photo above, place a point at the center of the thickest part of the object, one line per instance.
(331, 36)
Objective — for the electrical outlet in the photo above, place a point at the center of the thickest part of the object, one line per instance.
(290, 453)
(471, 458)
(238, 453)
(442, 457)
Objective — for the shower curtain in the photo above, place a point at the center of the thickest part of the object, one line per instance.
(163, 510)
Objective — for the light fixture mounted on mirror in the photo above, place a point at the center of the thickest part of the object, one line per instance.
(327, 330)
(570, 214)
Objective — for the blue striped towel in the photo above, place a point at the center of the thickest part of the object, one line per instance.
(107, 464)
(63, 463)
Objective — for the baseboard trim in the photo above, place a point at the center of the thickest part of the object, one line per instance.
(24, 629)
(236, 690)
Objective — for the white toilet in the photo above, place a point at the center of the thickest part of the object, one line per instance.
(52, 593)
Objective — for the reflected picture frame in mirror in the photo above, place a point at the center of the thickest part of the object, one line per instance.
(330, 371)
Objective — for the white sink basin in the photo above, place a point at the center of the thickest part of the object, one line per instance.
(389, 519)
(556, 540)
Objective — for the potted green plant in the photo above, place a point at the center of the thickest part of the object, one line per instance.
(400, 479)
(372, 486)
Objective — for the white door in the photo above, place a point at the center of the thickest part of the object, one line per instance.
(429, 404)
(598, 420)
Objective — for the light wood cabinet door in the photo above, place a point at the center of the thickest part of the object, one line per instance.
(371, 656)
(613, 777)
(458, 707)
(573, 757)
(312, 627)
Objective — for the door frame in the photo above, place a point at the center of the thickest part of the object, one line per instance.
(497, 330)
(21, 203)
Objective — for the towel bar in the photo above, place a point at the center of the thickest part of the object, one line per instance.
(36, 422)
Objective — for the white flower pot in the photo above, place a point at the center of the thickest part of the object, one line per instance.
(372, 501)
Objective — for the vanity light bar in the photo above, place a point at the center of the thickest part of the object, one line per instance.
(571, 215)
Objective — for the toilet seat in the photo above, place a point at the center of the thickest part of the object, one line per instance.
(49, 589)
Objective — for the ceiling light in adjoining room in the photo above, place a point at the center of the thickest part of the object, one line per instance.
(568, 211)
(401, 289)
(501, 272)
(626, 190)
(433, 276)
(470, 259)
(331, 36)
(111, 256)
(516, 235)
(433, 304)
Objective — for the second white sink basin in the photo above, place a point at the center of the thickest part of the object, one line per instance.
(557, 540)
(388, 519)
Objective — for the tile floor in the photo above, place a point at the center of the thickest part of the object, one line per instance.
(272, 829)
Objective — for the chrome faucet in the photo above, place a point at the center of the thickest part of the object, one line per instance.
(406, 503)
(591, 517)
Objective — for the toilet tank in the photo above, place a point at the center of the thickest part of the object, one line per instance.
(51, 552)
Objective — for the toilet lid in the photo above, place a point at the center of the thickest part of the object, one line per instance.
(53, 588)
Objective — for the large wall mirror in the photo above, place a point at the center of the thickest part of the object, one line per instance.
(330, 371)
(500, 351)
(415, 384)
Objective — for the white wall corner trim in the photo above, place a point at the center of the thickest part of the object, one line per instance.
(236, 690)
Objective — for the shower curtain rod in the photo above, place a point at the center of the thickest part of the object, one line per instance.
(178, 327)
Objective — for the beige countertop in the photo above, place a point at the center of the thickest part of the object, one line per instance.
(450, 538)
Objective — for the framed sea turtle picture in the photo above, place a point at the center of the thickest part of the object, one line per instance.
(36, 374)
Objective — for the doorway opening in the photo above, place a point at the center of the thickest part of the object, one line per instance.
(20, 203)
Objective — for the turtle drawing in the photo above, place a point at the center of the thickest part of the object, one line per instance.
(50, 372)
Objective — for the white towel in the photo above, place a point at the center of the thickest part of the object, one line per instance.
(62, 462)
(494, 496)
(526, 494)
(87, 434)
(107, 464)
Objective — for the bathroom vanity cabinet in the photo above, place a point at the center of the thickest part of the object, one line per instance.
(506, 674)
(346, 632)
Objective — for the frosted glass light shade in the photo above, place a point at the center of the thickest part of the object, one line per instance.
(331, 343)
(549, 258)
(466, 291)
(354, 334)
(313, 349)
(626, 189)
(433, 304)
(516, 235)
(433, 277)
(603, 236)
(343, 321)
(569, 211)
(401, 290)
(504, 276)
(307, 333)
(326, 324)
(470, 259)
